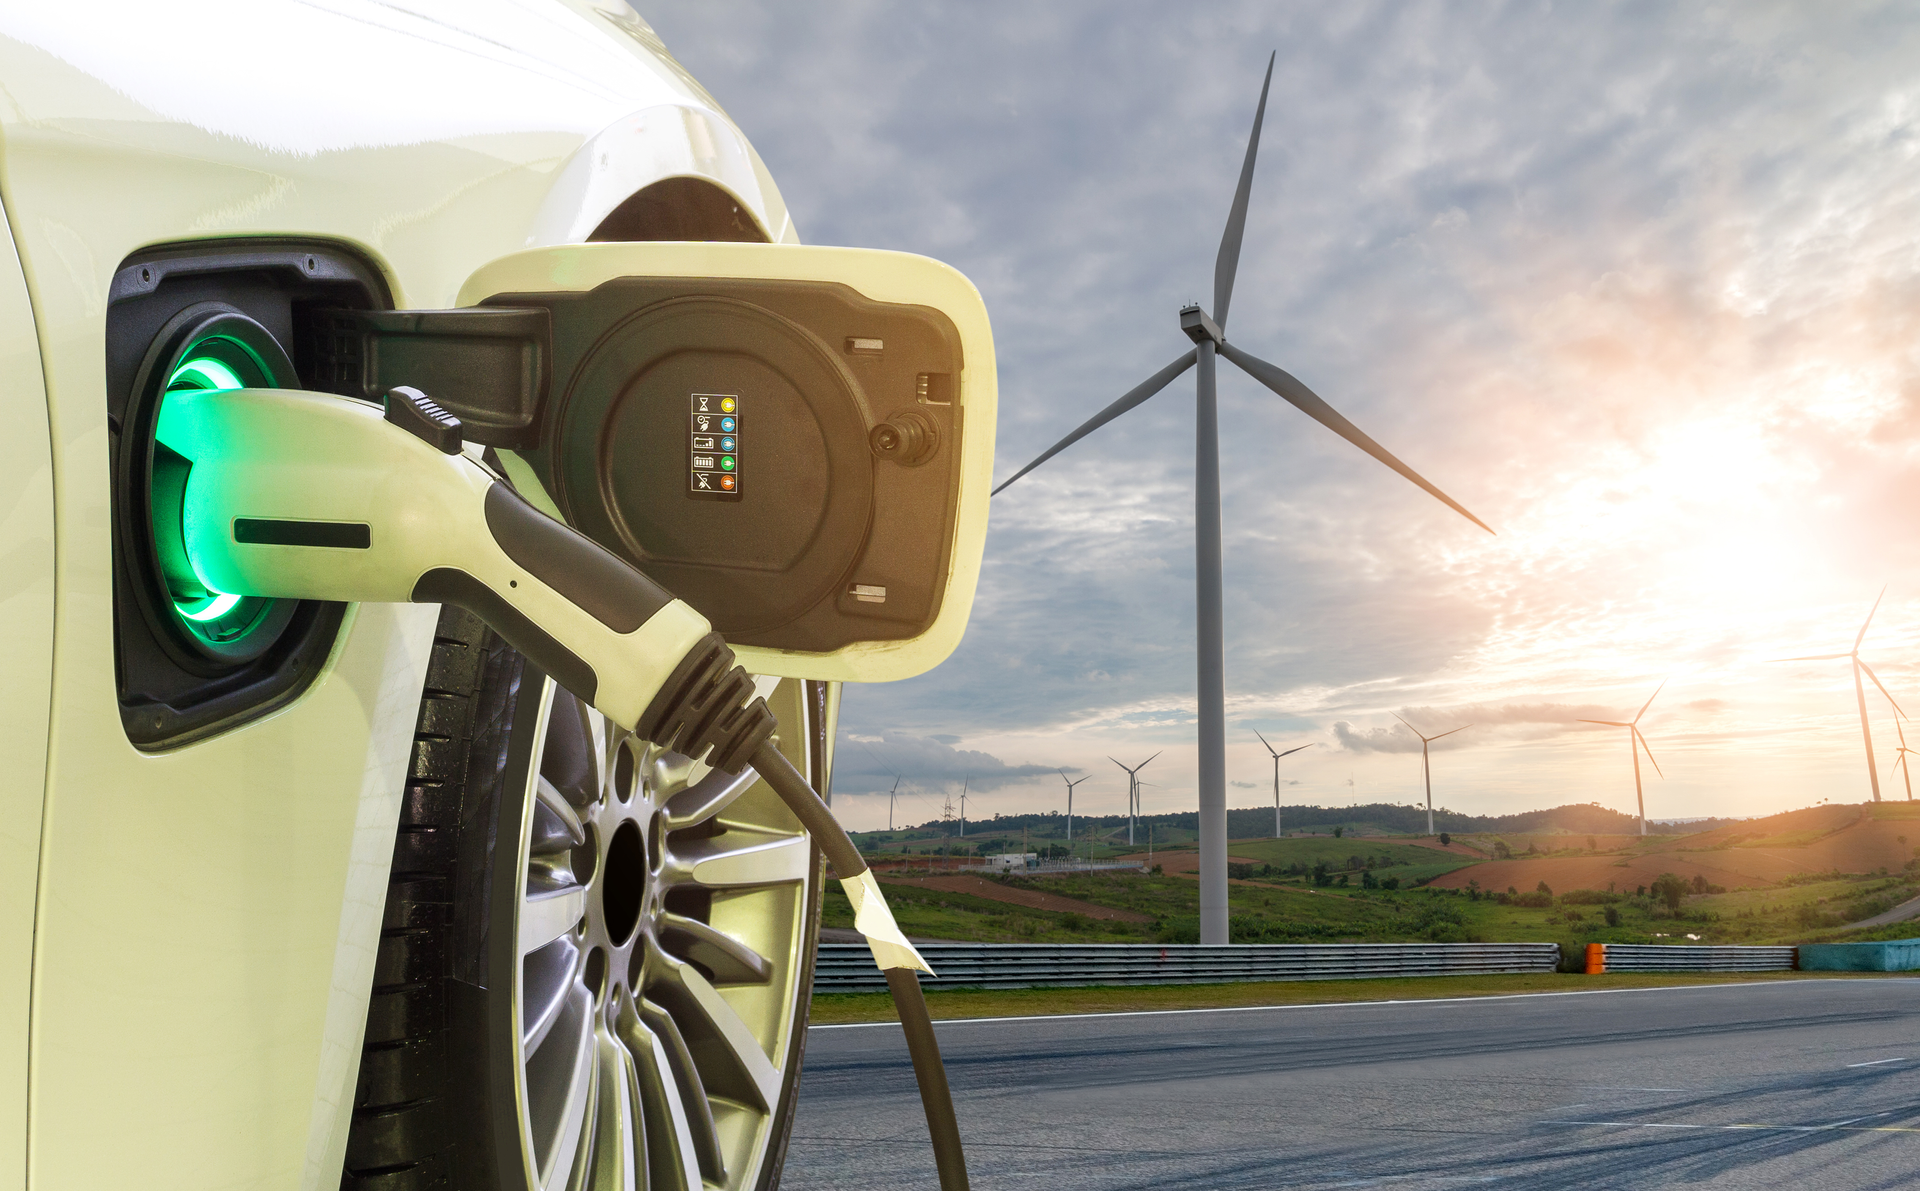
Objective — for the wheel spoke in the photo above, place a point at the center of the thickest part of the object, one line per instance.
(730, 1057)
(571, 759)
(730, 960)
(545, 977)
(560, 1088)
(549, 912)
(739, 857)
(672, 1164)
(556, 828)
(693, 1091)
(707, 797)
(617, 1163)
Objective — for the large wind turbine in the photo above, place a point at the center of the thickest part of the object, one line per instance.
(1634, 738)
(1276, 777)
(1859, 691)
(1070, 786)
(1209, 339)
(1133, 792)
(1426, 769)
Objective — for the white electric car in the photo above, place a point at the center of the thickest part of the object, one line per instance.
(307, 894)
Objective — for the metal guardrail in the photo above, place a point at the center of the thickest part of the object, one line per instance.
(1655, 957)
(848, 967)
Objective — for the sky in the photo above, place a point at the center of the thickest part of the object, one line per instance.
(1638, 284)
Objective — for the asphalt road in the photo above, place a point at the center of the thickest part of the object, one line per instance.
(1805, 1084)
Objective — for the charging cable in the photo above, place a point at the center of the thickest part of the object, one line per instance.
(303, 495)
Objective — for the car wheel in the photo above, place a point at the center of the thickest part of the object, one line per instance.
(597, 956)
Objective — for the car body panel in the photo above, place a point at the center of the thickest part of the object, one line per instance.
(26, 661)
(208, 917)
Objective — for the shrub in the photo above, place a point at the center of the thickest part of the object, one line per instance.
(1613, 916)
(1368, 880)
(1670, 888)
(1341, 880)
(1501, 851)
(1320, 874)
(1542, 888)
(1532, 901)
(1337, 831)
(1073, 922)
(1588, 897)
(1445, 839)
(1240, 872)
(1390, 883)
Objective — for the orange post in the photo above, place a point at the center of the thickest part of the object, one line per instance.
(1596, 958)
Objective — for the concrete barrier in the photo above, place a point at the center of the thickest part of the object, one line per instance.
(1897, 955)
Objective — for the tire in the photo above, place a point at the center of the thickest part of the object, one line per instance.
(597, 957)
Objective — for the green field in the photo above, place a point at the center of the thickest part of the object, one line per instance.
(837, 1008)
(1289, 909)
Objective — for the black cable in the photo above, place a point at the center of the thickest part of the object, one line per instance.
(908, 1000)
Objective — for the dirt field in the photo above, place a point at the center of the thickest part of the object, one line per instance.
(1849, 839)
(1033, 899)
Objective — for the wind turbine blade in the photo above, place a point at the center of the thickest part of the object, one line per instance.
(1461, 728)
(1228, 262)
(1263, 740)
(1648, 749)
(1143, 764)
(1133, 397)
(1291, 752)
(1118, 763)
(1883, 689)
(1608, 723)
(1863, 624)
(1650, 699)
(1410, 727)
(1821, 657)
(1308, 402)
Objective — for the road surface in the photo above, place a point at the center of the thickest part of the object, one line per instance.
(1781, 1085)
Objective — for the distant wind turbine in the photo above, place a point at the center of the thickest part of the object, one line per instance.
(963, 804)
(1133, 792)
(1900, 758)
(892, 794)
(1276, 777)
(1634, 738)
(1210, 339)
(1425, 768)
(1859, 691)
(1070, 786)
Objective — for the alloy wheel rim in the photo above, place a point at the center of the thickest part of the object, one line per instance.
(661, 912)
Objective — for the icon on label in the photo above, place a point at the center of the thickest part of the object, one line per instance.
(726, 444)
(727, 424)
(726, 463)
(727, 405)
(704, 422)
(705, 463)
(702, 403)
(726, 483)
(704, 442)
(703, 482)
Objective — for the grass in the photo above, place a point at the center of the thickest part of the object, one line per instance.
(844, 1008)
(1280, 910)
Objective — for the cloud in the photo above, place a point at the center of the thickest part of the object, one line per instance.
(1246, 785)
(1634, 284)
(869, 765)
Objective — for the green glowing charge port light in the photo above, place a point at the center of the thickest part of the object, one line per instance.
(726, 463)
(213, 616)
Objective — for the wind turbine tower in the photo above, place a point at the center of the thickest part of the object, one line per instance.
(1133, 792)
(1859, 691)
(1425, 768)
(1070, 786)
(1276, 779)
(1207, 331)
(1635, 743)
